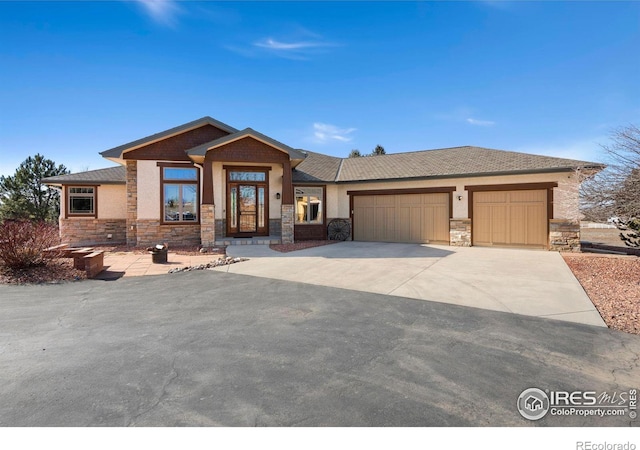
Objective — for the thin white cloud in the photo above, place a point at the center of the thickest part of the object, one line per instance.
(300, 49)
(324, 132)
(164, 12)
(480, 123)
(272, 44)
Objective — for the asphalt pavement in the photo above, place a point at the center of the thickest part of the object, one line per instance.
(207, 348)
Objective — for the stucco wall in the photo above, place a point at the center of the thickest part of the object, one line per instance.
(565, 195)
(148, 190)
(112, 201)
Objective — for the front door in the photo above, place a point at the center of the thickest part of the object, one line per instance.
(247, 211)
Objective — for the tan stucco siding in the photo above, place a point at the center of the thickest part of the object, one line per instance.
(566, 201)
(112, 201)
(148, 190)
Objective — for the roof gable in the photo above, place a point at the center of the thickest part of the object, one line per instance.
(201, 150)
(119, 151)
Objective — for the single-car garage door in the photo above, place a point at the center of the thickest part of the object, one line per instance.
(510, 218)
(419, 218)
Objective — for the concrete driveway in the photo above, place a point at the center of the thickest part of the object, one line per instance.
(207, 348)
(533, 283)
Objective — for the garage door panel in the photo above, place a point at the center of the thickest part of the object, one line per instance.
(402, 218)
(510, 218)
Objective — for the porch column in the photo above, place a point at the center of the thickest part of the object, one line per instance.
(287, 209)
(207, 208)
(132, 202)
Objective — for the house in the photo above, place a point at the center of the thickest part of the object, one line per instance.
(207, 183)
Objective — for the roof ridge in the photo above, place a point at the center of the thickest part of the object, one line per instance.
(339, 170)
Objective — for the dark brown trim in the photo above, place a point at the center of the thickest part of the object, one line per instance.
(435, 190)
(247, 168)
(207, 181)
(431, 190)
(68, 214)
(162, 165)
(511, 187)
(287, 184)
(174, 164)
(265, 184)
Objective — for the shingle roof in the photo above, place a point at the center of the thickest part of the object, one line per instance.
(316, 168)
(110, 175)
(201, 150)
(116, 152)
(440, 163)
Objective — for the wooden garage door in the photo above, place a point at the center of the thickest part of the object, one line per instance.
(510, 218)
(419, 218)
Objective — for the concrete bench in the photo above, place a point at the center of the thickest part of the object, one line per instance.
(93, 263)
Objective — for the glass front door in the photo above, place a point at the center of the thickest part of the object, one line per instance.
(247, 209)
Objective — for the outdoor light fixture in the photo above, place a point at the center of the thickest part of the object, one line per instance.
(460, 197)
(278, 196)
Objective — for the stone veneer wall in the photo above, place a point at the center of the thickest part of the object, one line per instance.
(287, 224)
(275, 227)
(132, 202)
(150, 232)
(78, 231)
(221, 228)
(460, 232)
(207, 226)
(564, 235)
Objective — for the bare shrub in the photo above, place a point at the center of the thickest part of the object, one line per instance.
(22, 243)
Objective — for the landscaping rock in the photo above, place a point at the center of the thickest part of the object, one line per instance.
(216, 263)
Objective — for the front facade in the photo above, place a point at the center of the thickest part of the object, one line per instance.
(206, 183)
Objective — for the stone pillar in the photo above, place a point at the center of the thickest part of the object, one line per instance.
(207, 226)
(132, 202)
(287, 224)
(460, 232)
(564, 235)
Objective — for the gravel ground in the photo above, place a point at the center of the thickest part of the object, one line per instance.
(607, 236)
(613, 285)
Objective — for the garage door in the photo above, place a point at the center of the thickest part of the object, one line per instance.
(419, 218)
(510, 218)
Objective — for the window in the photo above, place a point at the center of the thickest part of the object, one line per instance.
(180, 194)
(81, 201)
(309, 205)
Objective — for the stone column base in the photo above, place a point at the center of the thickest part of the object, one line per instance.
(287, 224)
(460, 232)
(207, 226)
(564, 235)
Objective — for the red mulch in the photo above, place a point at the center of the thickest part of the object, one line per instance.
(301, 245)
(613, 285)
(54, 271)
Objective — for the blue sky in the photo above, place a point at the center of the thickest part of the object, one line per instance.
(554, 78)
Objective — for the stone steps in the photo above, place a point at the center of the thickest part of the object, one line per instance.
(262, 240)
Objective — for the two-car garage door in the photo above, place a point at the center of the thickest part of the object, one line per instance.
(418, 218)
(510, 218)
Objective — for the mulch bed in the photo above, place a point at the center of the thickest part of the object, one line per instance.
(286, 248)
(613, 285)
(54, 271)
